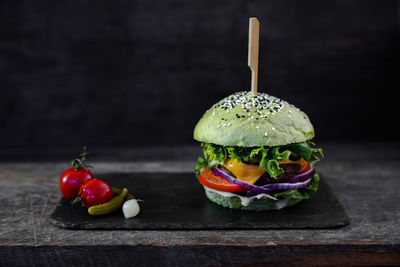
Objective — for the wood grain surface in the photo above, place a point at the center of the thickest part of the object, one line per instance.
(366, 184)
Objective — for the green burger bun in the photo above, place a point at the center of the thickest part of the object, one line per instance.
(251, 120)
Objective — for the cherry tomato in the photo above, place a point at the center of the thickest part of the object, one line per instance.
(209, 179)
(71, 181)
(95, 192)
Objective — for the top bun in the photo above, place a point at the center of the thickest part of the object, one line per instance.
(247, 120)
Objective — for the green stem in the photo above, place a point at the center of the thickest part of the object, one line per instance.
(79, 162)
(77, 200)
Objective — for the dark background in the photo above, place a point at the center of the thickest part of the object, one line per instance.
(129, 73)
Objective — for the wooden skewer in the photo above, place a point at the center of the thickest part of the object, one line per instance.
(254, 36)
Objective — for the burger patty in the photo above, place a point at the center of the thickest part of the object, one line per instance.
(290, 171)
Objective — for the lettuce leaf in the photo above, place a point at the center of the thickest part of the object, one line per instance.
(311, 155)
(214, 154)
(238, 153)
(280, 156)
(260, 154)
(273, 168)
(200, 165)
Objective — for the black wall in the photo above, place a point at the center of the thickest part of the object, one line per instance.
(142, 72)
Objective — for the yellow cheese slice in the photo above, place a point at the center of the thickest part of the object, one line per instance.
(244, 172)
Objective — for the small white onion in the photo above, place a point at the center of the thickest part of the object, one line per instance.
(130, 208)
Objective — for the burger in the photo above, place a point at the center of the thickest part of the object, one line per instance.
(258, 153)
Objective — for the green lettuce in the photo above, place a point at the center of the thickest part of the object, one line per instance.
(200, 165)
(280, 156)
(214, 154)
(273, 168)
(311, 155)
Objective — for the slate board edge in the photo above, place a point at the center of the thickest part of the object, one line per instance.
(73, 226)
(69, 226)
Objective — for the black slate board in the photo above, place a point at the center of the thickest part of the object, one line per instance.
(176, 201)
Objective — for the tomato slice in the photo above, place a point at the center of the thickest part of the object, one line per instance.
(304, 166)
(209, 179)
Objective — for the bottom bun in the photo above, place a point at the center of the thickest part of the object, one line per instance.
(256, 203)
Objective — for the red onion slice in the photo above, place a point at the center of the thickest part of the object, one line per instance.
(234, 180)
(288, 186)
(301, 177)
(296, 179)
(297, 182)
(281, 186)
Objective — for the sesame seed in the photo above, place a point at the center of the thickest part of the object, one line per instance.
(249, 102)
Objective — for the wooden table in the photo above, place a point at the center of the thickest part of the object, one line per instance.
(364, 177)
